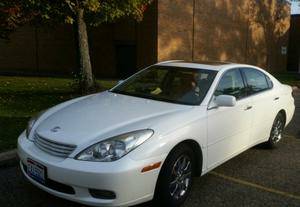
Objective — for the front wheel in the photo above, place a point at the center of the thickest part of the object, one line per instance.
(276, 131)
(175, 180)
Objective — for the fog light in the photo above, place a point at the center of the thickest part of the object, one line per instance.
(102, 194)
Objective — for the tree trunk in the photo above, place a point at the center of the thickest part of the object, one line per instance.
(86, 75)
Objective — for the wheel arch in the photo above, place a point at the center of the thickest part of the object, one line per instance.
(283, 112)
(195, 146)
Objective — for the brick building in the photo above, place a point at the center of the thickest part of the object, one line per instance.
(251, 31)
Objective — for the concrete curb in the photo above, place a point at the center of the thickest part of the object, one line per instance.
(5, 157)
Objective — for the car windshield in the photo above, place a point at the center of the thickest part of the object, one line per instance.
(171, 84)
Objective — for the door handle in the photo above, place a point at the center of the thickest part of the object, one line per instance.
(277, 98)
(248, 108)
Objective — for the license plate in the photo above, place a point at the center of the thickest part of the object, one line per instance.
(36, 171)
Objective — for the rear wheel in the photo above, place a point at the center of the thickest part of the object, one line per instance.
(276, 132)
(175, 179)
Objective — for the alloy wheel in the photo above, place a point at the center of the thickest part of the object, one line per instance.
(181, 177)
(277, 130)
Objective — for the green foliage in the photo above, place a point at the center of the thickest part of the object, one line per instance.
(11, 17)
(14, 13)
(96, 11)
(111, 10)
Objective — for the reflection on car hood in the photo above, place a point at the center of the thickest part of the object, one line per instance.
(102, 114)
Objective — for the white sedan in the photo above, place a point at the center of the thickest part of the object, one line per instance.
(150, 135)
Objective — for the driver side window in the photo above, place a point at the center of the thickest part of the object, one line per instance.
(231, 84)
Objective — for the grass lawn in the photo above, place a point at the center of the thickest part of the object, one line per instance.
(289, 78)
(22, 97)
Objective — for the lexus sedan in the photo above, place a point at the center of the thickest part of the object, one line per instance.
(150, 135)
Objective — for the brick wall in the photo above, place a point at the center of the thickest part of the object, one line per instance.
(250, 31)
(53, 51)
(146, 38)
(19, 54)
(175, 29)
(220, 30)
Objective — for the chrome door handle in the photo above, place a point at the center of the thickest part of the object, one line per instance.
(248, 108)
(277, 98)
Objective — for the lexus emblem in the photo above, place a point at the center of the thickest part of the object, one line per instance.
(55, 129)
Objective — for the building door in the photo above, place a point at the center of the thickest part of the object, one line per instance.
(294, 45)
(125, 60)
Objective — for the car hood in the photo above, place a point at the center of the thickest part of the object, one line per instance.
(101, 116)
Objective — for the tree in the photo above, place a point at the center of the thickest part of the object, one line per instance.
(272, 16)
(11, 17)
(82, 13)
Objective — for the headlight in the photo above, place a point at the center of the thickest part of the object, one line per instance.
(32, 122)
(116, 147)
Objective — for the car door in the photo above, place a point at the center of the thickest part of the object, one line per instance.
(259, 86)
(228, 127)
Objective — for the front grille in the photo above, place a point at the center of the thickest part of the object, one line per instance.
(52, 147)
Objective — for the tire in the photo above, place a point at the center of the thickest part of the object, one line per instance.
(176, 177)
(276, 131)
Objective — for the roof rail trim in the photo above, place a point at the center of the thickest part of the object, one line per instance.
(168, 61)
(206, 62)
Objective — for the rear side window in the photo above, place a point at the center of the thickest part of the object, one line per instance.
(256, 80)
(231, 84)
(270, 83)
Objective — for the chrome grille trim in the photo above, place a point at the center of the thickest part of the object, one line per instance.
(52, 147)
(50, 151)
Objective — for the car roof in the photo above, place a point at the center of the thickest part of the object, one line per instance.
(209, 65)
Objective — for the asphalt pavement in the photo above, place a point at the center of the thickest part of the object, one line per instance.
(257, 177)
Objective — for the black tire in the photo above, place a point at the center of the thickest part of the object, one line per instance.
(171, 176)
(276, 131)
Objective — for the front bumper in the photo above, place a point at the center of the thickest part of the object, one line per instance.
(122, 177)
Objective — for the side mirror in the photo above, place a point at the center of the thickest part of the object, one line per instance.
(120, 81)
(225, 100)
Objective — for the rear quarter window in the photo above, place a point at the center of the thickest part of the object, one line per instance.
(269, 81)
(256, 80)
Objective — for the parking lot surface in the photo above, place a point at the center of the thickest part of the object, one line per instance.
(257, 177)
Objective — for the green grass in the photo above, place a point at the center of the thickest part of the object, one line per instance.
(288, 78)
(11, 128)
(25, 96)
(22, 97)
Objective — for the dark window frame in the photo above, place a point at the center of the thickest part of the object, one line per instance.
(243, 81)
(247, 85)
(270, 81)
